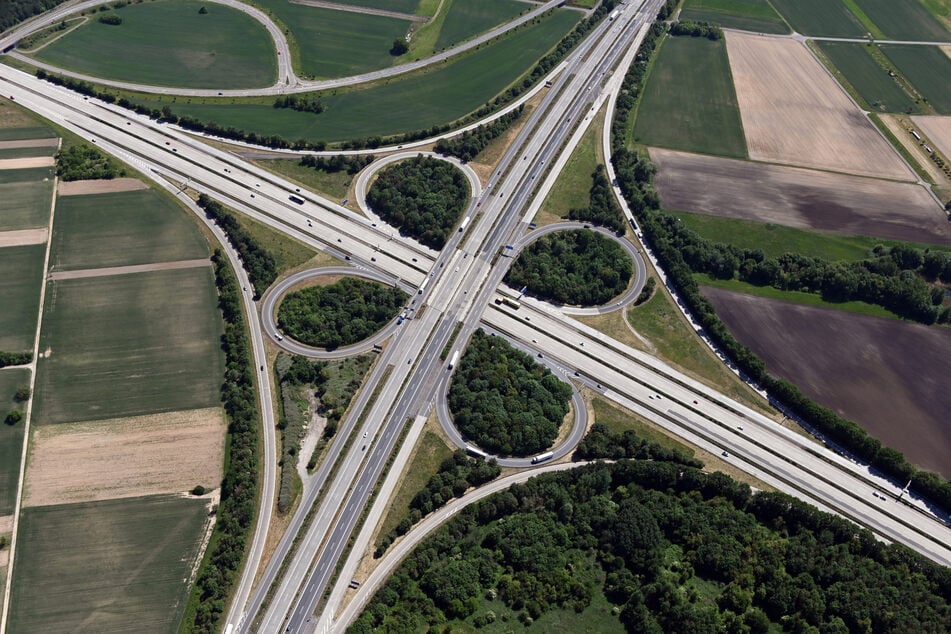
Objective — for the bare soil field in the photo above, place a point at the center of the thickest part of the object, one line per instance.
(24, 236)
(20, 143)
(79, 188)
(801, 198)
(30, 161)
(887, 375)
(126, 457)
(794, 112)
(938, 130)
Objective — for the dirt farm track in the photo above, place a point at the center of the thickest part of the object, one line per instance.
(887, 375)
(801, 198)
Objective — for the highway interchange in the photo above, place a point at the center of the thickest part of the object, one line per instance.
(457, 287)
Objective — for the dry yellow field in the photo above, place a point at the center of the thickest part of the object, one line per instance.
(22, 236)
(794, 112)
(119, 458)
(938, 130)
(21, 143)
(23, 163)
(78, 188)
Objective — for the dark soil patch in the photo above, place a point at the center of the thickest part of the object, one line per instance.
(802, 198)
(888, 376)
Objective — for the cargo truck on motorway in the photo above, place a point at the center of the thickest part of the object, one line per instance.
(454, 360)
(542, 457)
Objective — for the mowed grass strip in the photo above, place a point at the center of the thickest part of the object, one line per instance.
(111, 566)
(468, 18)
(168, 43)
(775, 240)
(403, 6)
(747, 15)
(689, 102)
(827, 18)
(445, 93)
(121, 229)
(25, 204)
(125, 345)
(338, 43)
(904, 20)
(11, 436)
(21, 277)
(873, 83)
(928, 68)
(27, 152)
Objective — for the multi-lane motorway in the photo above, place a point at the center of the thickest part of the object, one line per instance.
(451, 295)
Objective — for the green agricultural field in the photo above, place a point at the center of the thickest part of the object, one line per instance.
(124, 345)
(689, 102)
(111, 566)
(827, 18)
(11, 436)
(168, 43)
(908, 20)
(330, 184)
(748, 15)
(27, 152)
(120, 229)
(775, 240)
(28, 132)
(468, 18)
(928, 68)
(25, 204)
(27, 175)
(444, 94)
(870, 80)
(338, 43)
(21, 277)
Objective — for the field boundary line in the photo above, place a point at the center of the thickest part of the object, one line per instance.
(27, 419)
(349, 8)
(126, 270)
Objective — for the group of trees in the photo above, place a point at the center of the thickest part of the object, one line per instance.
(15, 358)
(577, 268)
(257, 260)
(895, 278)
(468, 145)
(504, 401)
(352, 163)
(672, 548)
(302, 382)
(602, 209)
(601, 442)
(423, 197)
(12, 12)
(237, 508)
(696, 29)
(667, 238)
(646, 292)
(300, 104)
(84, 162)
(15, 415)
(400, 47)
(111, 19)
(456, 475)
(339, 314)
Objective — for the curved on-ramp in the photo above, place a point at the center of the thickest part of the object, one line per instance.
(640, 269)
(274, 294)
(578, 427)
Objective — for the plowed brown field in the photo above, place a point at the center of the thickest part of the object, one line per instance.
(794, 112)
(887, 375)
(797, 197)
